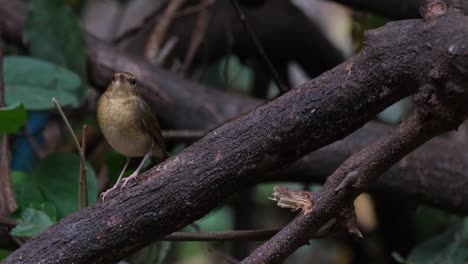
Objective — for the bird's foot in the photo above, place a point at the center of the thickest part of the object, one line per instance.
(132, 176)
(104, 194)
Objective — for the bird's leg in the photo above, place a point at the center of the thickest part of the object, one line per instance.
(103, 195)
(137, 171)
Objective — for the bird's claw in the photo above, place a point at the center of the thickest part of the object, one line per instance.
(104, 194)
(133, 176)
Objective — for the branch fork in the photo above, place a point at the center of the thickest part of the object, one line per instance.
(293, 199)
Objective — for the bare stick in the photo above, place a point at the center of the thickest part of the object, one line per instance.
(159, 31)
(183, 134)
(197, 35)
(83, 167)
(7, 196)
(247, 235)
(83, 191)
(261, 51)
(367, 165)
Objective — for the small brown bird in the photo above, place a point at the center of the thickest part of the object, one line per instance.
(128, 124)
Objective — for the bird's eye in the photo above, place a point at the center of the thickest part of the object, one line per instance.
(132, 81)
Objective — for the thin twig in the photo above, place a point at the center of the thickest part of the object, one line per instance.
(83, 190)
(197, 35)
(7, 196)
(5, 221)
(194, 9)
(183, 134)
(34, 144)
(214, 251)
(258, 45)
(166, 50)
(18, 241)
(248, 235)
(161, 27)
(77, 143)
(131, 32)
(369, 164)
(229, 44)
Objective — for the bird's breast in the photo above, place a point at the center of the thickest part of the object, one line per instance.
(119, 123)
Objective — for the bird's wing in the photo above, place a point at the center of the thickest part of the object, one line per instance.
(150, 123)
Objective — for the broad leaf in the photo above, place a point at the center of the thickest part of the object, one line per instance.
(56, 179)
(35, 82)
(34, 219)
(53, 33)
(26, 190)
(12, 118)
(449, 247)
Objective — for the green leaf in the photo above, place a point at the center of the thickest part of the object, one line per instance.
(4, 253)
(56, 179)
(53, 33)
(26, 191)
(449, 247)
(34, 219)
(398, 258)
(12, 118)
(35, 82)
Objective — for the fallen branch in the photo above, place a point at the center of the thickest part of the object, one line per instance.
(438, 110)
(368, 164)
(433, 174)
(410, 180)
(190, 184)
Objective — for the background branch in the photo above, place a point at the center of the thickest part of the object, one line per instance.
(368, 164)
(396, 9)
(192, 183)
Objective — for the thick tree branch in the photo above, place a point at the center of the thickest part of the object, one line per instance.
(189, 185)
(396, 9)
(367, 165)
(434, 174)
(438, 110)
(411, 180)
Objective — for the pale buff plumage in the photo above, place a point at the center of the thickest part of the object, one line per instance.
(128, 124)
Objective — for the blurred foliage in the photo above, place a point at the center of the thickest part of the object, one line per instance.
(55, 180)
(217, 220)
(449, 247)
(49, 191)
(228, 72)
(4, 253)
(53, 33)
(155, 253)
(33, 219)
(34, 82)
(57, 68)
(12, 118)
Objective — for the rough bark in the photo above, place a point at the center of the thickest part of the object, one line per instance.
(103, 60)
(434, 174)
(396, 60)
(334, 197)
(441, 106)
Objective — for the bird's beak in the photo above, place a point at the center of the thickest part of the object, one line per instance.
(121, 78)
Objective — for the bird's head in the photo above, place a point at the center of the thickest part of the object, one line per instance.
(123, 84)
